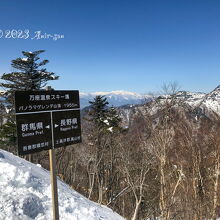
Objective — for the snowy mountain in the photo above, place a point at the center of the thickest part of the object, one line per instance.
(207, 103)
(201, 103)
(191, 98)
(211, 101)
(115, 98)
(25, 194)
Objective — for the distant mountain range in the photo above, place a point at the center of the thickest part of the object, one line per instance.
(203, 101)
(115, 98)
(202, 104)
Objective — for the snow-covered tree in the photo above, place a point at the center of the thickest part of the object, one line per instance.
(114, 119)
(104, 118)
(29, 74)
(99, 111)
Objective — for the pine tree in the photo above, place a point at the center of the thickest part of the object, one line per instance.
(105, 120)
(114, 119)
(99, 111)
(29, 75)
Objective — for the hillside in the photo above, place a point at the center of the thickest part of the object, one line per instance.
(25, 194)
(200, 103)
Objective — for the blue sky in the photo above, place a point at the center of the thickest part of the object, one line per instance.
(134, 45)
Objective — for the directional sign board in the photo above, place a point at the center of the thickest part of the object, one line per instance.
(34, 132)
(47, 120)
(66, 128)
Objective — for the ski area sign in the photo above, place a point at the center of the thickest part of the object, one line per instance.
(47, 120)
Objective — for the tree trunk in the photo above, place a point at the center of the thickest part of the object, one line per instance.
(137, 207)
(216, 183)
(91, 183)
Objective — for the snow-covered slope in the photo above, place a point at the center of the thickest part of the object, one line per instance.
(115, 98)
(202, 103)
(191, 98)
(208, 103)
(25, 194)
(211, 101)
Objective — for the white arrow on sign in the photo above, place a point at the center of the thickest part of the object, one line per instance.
(56, 125)
(48, 126)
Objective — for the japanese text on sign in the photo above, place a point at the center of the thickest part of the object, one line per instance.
(48, 97)
(32, 126)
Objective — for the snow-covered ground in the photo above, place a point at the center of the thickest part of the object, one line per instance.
(25, 194)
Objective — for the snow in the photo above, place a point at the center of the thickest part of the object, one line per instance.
(46, 74)
(53, 76)
(24, 59)
(110, 129)
(25, 194)
(115, 98)
(209, 101)
(116, 93)
(106, 121)
(7, 110)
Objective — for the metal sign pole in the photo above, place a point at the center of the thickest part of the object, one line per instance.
(54, 184)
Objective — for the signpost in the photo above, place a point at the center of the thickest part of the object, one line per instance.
(47, 120)
(34, 132)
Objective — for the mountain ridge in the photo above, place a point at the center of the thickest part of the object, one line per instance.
(116, 98)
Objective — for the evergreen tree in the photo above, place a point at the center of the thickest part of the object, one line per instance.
(114, 119)
(29, 75)
(99, 111)
(105, 120)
